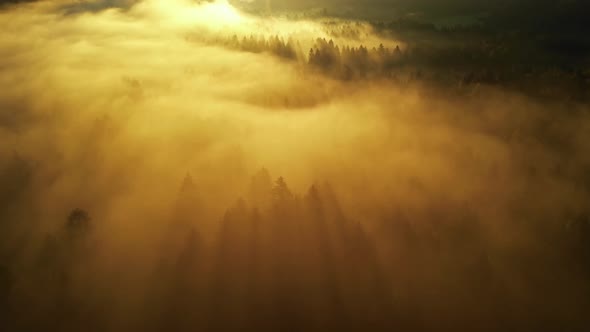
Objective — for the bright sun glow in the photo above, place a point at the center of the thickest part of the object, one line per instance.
(187, 13)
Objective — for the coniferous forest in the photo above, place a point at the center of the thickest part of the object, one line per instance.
(281, 260)
(332, 165)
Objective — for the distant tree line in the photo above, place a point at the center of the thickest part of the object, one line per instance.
(455, 61)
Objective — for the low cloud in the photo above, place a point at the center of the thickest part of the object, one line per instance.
(109, 108)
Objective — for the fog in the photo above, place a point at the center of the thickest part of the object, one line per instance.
(158, 172)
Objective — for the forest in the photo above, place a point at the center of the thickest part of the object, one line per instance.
(284, 261)
(179, 165)
(461, 58)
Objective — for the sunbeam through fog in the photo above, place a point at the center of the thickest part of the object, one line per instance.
(254, 166)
